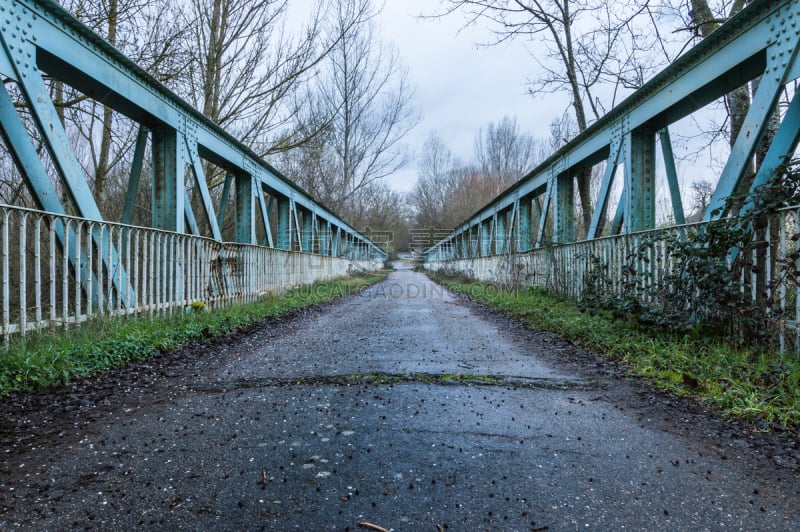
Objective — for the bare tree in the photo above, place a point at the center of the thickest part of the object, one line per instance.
(439, 177)
(605, 53)
(504, 153)
(366, 90)
(356, 117)
(702, 20)
(702, 191)
(146, 32)
(248, 73)
(447, 191)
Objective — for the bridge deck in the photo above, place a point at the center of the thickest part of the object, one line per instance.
(346, 414)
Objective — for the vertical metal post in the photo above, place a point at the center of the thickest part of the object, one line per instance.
(640, 169)
(325, 238)
(501, 234)
(564, 216)
(525, 224)
(307, 242)
(485, 238)
(244, 219)
(284, 228)
(168, 188)
(334, 241)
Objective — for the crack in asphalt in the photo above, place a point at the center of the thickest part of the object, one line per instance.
(458, 379)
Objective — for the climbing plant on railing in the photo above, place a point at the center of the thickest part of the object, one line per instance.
(735, 278)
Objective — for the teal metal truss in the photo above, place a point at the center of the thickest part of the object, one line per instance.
(38, 38)
(760, 41)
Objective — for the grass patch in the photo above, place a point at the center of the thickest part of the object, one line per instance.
(757, 386)
(55, 357)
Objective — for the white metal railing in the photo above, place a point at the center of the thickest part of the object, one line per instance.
(566, 269)
(58, 270)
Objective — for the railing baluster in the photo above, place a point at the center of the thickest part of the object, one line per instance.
(120, 268)
(90, 288)
(37, 275)
(137, 288)
(65, 273)
(150, 257)
(112, 272)
(102, 300)
(158, 276)
(4, 270)
(77, 269)
(52, 261)
(797, 290)
(23, 273)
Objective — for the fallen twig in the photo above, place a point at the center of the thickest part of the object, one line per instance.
(364, 524)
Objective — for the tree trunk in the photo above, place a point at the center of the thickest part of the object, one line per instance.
(103, 170)
(585, 177)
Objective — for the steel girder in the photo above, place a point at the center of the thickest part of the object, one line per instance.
(39, 37)
(762, 40)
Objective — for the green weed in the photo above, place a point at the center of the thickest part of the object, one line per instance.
(55, 357)
(755, 385)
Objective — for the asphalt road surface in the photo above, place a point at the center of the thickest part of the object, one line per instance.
(405, 407)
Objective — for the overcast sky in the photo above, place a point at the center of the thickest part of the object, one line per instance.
(460, 87)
